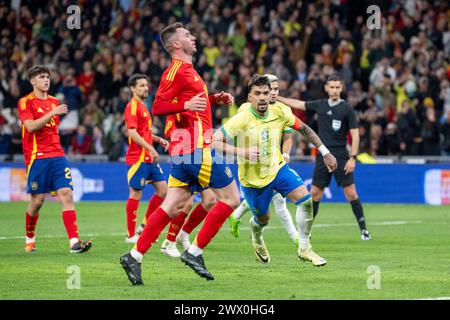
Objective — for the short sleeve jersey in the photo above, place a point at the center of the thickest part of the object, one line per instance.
(247, 106)
(138, 117)
(189, 129)
(43, 143)
(252, 130)
(334, 122)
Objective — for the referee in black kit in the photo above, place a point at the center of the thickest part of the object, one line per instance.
(335, 119)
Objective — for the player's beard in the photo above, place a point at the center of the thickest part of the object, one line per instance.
(262, 108)
(143, 96)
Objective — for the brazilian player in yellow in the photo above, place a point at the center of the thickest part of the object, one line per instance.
(261, 168)
(279, 203)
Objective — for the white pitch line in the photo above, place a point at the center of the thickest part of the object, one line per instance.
(324, 225)
(437, 298)
(332, 225)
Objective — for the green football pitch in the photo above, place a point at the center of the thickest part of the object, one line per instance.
(408, 258)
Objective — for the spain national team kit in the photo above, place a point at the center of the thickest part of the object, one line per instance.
(47, 167)
(193, 162)
(141, 169)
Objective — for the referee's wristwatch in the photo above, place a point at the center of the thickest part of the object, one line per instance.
(353, 157)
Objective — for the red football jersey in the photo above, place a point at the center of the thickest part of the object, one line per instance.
(138, 117)
(170, 126)
(43, 143)
(188, 129)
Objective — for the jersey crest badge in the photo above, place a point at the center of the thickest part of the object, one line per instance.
(336, 124)
(228, 172)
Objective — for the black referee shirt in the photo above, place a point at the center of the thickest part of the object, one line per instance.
(334, 122)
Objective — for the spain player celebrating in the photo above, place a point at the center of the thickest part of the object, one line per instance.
(47, 167)
(258, 130)
(183, 93)
(141, 157)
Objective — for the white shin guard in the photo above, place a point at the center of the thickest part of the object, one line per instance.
(305, 221)
(285, 216)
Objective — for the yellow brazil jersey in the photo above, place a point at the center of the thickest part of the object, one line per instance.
(247, 106)
(252, 130)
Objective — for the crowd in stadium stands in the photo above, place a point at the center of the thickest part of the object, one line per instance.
(397, 77)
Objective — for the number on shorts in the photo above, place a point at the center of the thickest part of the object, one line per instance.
(67, 171)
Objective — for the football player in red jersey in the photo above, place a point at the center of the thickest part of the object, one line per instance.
(47, 167)
(183, 94)
(179, 229)
(142, 158)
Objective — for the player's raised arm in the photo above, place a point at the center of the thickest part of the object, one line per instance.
(38, 124)
(312, 137)
(293, 103)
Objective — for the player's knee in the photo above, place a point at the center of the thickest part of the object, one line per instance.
(173, 209)
(234, 202)
(351, 195)
(161, 192)
(316, 194)
(65, 195)
(208, 202)
(135, 194)
(263, 219)
(36, 204)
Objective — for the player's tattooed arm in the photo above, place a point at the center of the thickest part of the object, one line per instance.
(310, 135)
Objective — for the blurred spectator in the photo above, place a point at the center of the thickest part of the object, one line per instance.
(445, 129)
(390, 143)
(430, 134)
(81, 142)
(301, 42)
(408, 128)
(98, 141)
(5, 136)
(72, 93)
